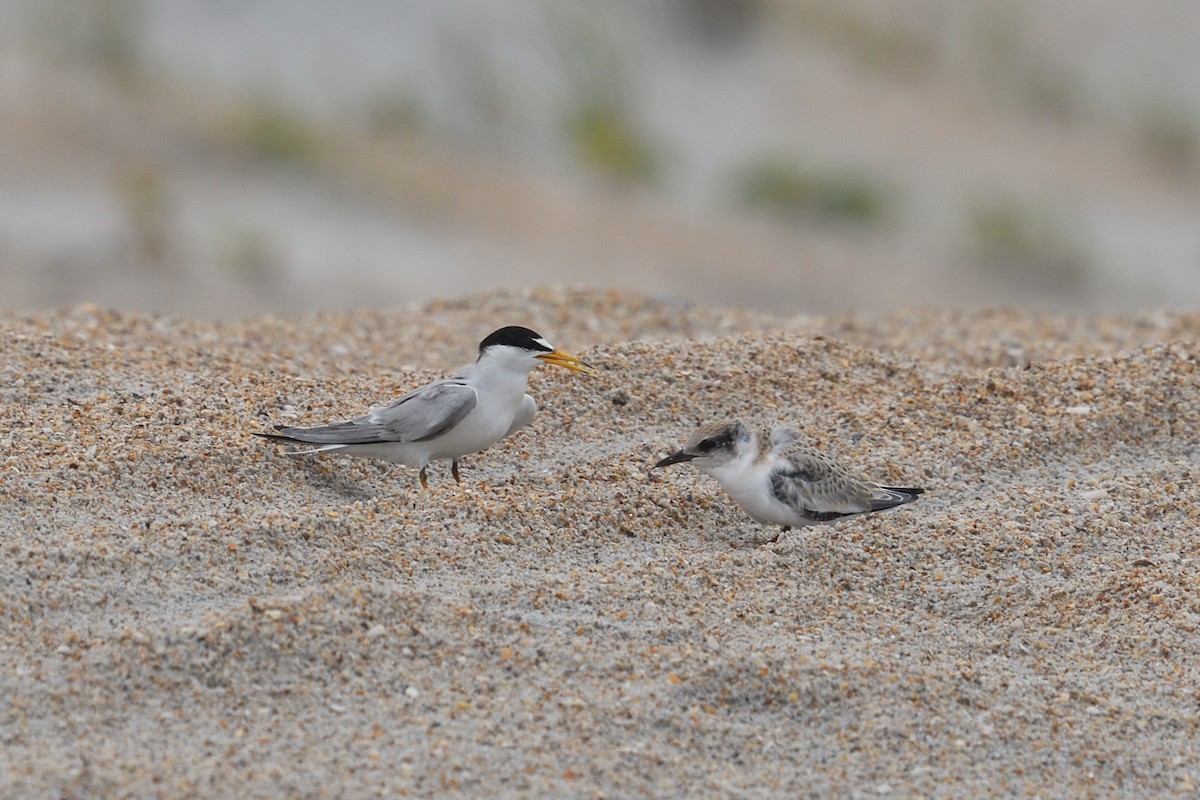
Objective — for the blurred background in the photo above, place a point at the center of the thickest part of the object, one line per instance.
(222, 158)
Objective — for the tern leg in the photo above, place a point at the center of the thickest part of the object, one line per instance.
(782, 530)
(454, 471)
(424, 479)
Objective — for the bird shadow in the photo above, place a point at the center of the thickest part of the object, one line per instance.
(335, 479)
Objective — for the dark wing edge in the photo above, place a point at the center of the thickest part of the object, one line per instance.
(826, 516)
(276, 437)
(349, 432)
(896, 496)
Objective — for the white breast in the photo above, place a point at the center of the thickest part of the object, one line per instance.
(750, 486)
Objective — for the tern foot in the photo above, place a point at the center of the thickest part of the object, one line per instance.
(424, 479)
(454, 471)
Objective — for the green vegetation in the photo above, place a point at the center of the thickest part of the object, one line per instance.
(393, 111)
(889, 42)
(843, 194)
(599, 76)
(103, 34)
(605, 140)
(250, 256)
(1169, 134)
(1007, 235)
(1016, 73)
(144, 198)
(268, 130)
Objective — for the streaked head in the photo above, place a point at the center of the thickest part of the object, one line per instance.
(712, 445)
(524, 343)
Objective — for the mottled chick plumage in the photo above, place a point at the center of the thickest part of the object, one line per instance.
(779, 479)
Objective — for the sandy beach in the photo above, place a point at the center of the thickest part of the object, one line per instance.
(184, 611)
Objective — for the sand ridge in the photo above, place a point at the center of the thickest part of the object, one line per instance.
(186, 611)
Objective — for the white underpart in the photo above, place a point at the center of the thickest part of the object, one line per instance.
(746, 478)
(523, 417)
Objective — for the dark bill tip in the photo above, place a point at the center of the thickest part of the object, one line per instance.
(674, 458)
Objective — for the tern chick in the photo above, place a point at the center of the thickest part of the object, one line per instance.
(477, 407)
(781, 480)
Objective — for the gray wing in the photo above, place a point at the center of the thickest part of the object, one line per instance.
(419, 415)
(818, 487)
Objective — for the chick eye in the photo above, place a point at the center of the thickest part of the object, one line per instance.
(706, 445)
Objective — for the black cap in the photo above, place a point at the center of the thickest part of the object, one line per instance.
(516, 336)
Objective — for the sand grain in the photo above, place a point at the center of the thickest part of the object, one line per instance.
(186, 611)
